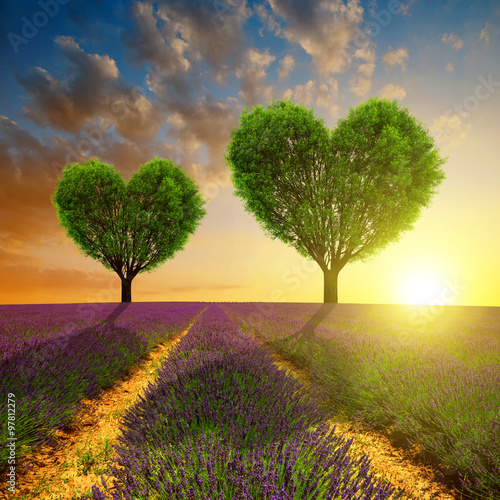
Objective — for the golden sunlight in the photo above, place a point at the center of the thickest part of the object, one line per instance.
(420, 287)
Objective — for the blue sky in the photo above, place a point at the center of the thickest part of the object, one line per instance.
(170, 79)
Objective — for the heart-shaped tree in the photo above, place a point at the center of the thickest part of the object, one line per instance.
(128, 227)
(335, 196)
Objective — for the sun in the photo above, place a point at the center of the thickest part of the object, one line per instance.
(420, 287)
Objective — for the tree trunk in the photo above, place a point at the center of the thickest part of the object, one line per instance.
(127, 289)
(331, 286)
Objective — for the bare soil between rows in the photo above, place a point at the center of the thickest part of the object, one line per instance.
(66, 468)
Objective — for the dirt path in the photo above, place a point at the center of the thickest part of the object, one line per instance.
(388, 462)
(86, 447)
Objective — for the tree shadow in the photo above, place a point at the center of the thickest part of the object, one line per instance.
(301, 347)
(306, 333)
(80, 365)
(116, 312)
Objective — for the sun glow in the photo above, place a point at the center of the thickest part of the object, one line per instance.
(420, 287)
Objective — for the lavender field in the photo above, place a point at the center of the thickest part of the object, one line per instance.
(438, 386)
(52, 357)
(222, 421)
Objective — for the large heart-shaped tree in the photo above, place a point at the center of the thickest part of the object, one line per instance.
(335, 196)
(128, 227)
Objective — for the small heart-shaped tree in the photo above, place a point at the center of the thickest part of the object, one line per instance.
(133, 227)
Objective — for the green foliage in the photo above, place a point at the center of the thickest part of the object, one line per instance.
(96, 463)
(129, 227)
(334, 196)
(389, 170)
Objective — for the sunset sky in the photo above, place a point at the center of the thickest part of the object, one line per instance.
(128, 81)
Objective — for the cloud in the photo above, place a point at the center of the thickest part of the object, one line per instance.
(252, 74)
(392, 91)
(450, 128)
(303, 94)
(147, 44)
(27, 182)
(450, 68)
(206, 122)
(179, 39)
(324, 95)
(362, 82)
(218, 40)
(323, 28)
(127, 156)
(85, 98)
(485, 35)
(327, 96)
(287, 64)
(93, 88)
(189, 31)
(456, 42)
(405, 8)
(397, 57)
(200, 34)
(268, 19)
(56, 283)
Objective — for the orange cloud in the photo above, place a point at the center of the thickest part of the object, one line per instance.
(323, 28)
(252, 74)
(93, 89)
(397, 57)
(50, 285)
(454, 40)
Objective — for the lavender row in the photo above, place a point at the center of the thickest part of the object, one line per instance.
(54, 374)
(24, 326)
(439, 387)
(223, 422)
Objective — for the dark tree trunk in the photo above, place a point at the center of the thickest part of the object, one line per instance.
(127, 289)
(331, 286)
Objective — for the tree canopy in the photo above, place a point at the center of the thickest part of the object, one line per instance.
(334, 196)
(129, 227)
